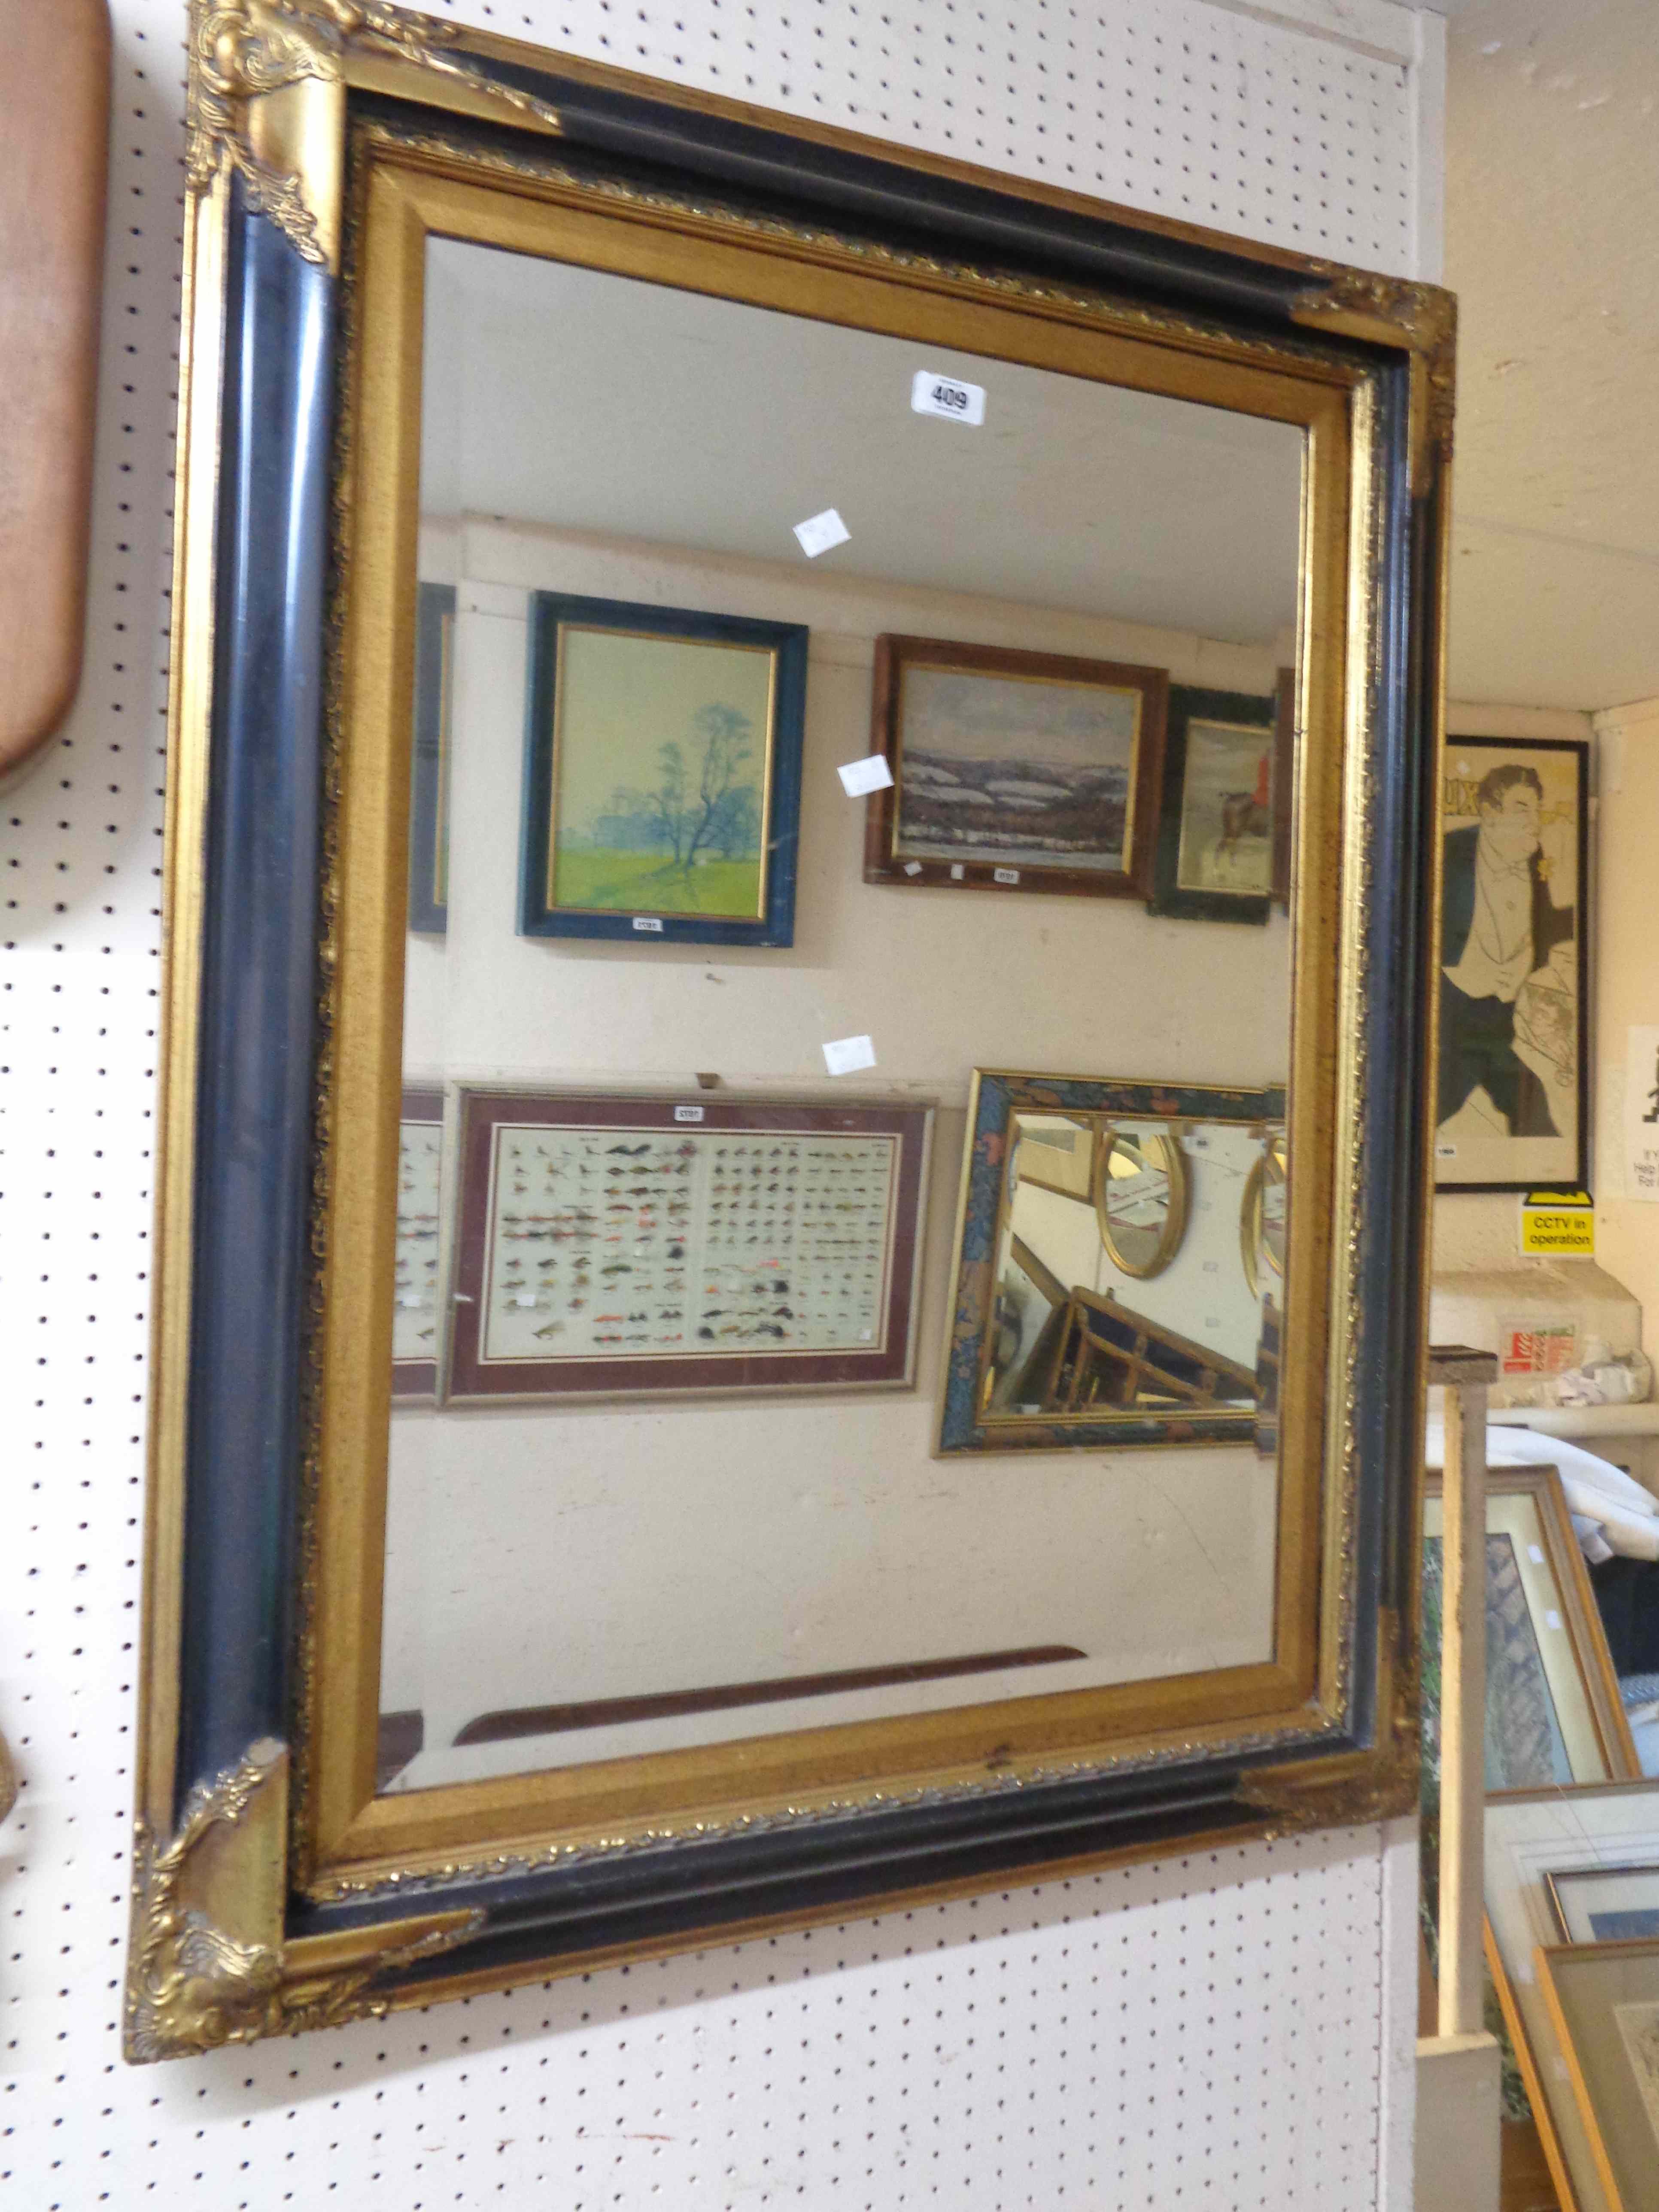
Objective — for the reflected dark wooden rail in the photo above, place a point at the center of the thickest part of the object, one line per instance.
(611, 1712)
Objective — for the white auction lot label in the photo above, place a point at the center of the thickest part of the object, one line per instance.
(947, 396)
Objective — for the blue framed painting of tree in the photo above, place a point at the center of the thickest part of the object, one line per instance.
(662, 773)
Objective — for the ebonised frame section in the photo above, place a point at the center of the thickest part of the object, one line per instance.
(239, 1929)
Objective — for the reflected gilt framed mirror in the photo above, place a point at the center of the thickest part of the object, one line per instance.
(1262, 1217)
(698, 1388)
(1141, 1196)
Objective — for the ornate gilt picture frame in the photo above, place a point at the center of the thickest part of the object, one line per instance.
(274, 1889)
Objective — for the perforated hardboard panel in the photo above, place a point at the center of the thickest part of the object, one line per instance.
(1225, 2030)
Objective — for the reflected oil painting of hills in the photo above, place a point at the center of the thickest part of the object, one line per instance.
(1026, 772)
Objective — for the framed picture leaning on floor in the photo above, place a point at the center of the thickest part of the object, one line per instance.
(1511, 1082)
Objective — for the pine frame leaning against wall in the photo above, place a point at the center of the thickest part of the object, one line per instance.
(269, 1894)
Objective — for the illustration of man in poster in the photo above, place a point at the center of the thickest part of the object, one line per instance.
(1508, 1011)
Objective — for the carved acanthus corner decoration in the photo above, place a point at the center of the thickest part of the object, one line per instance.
(194, 1981)
(1396, 307)
(242, 51)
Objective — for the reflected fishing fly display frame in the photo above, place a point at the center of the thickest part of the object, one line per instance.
(901, 1129)
(273, 1890)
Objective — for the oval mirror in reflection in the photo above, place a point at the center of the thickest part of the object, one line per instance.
(1140, 1198)
(1262, 1222)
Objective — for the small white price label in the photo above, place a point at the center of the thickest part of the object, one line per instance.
(1004, 875)
(1445, 1151)
(947, 397)
(819, 533)
(1536, 1555)
(411, 1299)
(525, 1298)
(688, 1113)
(860, 777)
(651, 922)
(1552, 1618)
(913, 868)
(957, 871)
(846, 1055)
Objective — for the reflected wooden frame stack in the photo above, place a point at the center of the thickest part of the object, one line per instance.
(273, 1889)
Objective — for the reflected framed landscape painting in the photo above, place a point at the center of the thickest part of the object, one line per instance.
(1014, 771)
(662, 773)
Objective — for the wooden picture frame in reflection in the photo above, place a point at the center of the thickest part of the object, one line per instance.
(428, 779)
(662, 773)
(1053, 1343)
(1014, 771)
(1224, 826)
(622, 1246)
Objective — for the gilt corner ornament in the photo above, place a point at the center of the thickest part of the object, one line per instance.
(1424, 315)
(241, 51)
(193, 1986)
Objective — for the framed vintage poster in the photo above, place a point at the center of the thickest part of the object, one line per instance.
(1553, 1712)
(1014, 771)
(613, 1246)
(428, 776)
(1512, 1090)
(418, 1261)
(662, 773)
(1223, 835)
(1603, 2003)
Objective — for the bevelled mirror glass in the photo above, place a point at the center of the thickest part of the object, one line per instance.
(695, 1326)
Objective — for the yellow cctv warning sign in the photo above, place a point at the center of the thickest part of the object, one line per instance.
(1560, 1223)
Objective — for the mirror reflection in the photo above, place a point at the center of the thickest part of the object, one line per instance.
(1141, 1197)
(1109, 1295)
(687, 1070)
(1262, 1220)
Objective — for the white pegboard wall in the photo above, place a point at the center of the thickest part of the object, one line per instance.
(1182, 107)
(1225, 2030)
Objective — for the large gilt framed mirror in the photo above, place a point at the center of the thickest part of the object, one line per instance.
(708, 1376)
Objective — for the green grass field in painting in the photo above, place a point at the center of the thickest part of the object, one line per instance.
(644, 883)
